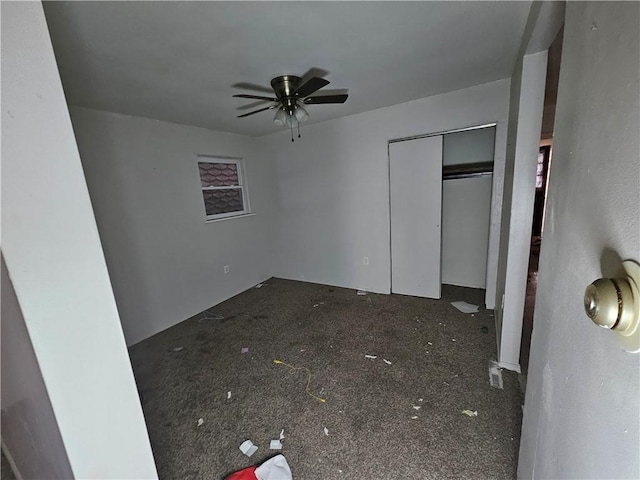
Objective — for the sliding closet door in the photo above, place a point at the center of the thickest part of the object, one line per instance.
(415, 171)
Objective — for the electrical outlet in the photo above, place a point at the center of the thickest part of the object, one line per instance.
(226, 269)
(365, 260)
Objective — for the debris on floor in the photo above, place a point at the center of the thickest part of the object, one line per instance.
(200, 422)
(417, 407)
(365, 394)
(275, 445)
(386, 361)
(294, 368)
(326, 431)
(465, 307)
(211, 316)
(470, 413)
(361, 292)
(318, 304)
(248, 448)
(275, 468)
(229, 395)
(485, 329)
(178, 349)
(244, 350)
(260, 285)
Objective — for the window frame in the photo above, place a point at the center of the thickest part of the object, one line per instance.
(242, 186)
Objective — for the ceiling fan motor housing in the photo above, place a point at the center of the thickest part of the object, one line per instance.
(284, 87)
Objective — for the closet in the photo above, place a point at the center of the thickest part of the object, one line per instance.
(440, 207)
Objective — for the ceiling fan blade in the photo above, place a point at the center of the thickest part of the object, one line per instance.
(254, 87)
(256, 111)
(314, 84)
(325, 99)
(256, 97)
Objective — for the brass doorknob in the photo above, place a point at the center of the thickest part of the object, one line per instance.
(614, 303)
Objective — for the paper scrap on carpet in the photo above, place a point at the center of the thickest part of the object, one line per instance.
(248, 448)
(465, 307)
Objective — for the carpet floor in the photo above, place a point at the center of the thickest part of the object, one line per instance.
(384, 421)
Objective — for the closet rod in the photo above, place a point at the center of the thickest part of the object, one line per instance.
(466, 170)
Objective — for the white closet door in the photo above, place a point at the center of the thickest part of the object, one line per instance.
(415, 173)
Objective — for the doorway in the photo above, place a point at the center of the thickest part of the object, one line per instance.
(545, 155)
(537, 230)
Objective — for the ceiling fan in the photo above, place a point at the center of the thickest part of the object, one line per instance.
(291, 93)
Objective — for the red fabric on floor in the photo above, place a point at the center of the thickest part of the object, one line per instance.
(244, 474)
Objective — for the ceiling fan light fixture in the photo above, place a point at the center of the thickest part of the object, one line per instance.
(290, 96)
(281, 117)
(301, 114)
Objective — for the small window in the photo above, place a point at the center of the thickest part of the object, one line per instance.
(223, 187)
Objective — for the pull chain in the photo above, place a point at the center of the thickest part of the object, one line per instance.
(291, 124)
(298, 129)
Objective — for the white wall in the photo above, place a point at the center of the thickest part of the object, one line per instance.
(52, 251)
(472, 146)
(581, 411)
(30, 432)
(166, 263)
(514, 105)
(466, 210)
(523, 145)
(333, 186)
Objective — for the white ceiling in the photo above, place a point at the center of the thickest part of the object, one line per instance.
(179, 61)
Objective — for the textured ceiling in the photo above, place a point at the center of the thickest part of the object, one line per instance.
(179, 61)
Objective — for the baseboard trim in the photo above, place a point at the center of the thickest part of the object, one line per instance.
(315, 282)
(466, 285)
(514, 367)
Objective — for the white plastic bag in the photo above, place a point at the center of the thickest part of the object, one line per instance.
(275, 468)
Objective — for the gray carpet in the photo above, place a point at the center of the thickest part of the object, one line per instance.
(369, 404)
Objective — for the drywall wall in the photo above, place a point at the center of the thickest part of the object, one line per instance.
(581, 408)
(472, 146)
(333, 186)
(53, 256)
(466, 213)
(514, 105)
(517, 213)
(166, 262)
(29, 429)
(466, 210)
(524, 130)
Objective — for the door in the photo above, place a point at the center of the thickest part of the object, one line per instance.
(415, 182)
